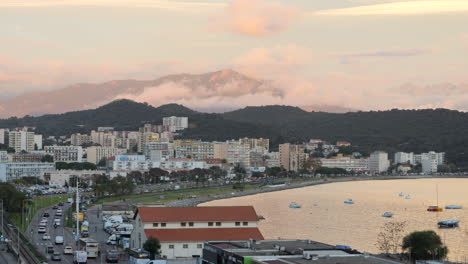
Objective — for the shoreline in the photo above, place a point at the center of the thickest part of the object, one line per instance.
(288, 186)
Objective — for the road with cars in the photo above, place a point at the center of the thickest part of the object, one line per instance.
(95, 230)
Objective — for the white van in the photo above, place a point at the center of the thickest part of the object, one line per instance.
(59, 240)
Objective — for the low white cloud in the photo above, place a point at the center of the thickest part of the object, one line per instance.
(401, 8)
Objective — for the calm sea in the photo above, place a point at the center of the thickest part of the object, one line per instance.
(325, 218)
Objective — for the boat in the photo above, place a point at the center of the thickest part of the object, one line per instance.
(434, 208)
(387, 214)
(401, 194)
(349, 201)
(448, 223)
(294, 205)
(453, 206)
(408, 196)
(261, 217)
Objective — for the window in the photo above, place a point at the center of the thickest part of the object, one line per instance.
(210, 223)
(218, 223)
(155, 224)
(199, 245)
(190, 223)
(163, 224)
(237, 223)
(245, 223)
(171, 246)
(183, 224)
(185, 246)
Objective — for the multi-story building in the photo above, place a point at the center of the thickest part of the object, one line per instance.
(3, 135)
(256, 159)
(37, 142)
(347, 163)
(378, 162)
(404, 158)
(79, 139)
(183, 230)
(159, 151)
(261, 145)
(429, 166)
(65, 153)
(129, 162)
(273, 159)
(26, 157)
(237, 153)
(439, 157)
(179, 123)
(292, 157)
(193, 149)
(147, 138)
(15, 170)
(3, 156)
(96, 154)
(21, 140)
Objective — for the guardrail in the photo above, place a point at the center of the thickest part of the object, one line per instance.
(27, 251)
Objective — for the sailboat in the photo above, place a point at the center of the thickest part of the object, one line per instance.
(435, 208)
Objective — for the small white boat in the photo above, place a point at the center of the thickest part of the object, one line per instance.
(388, 214)
(349, 201)
(401, 194)
(448, 223)
(453, 206)
(294, 205)
(408, 196)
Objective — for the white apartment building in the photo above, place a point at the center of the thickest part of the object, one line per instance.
(182, 230)
(179, 123)
(181, 164)
(79, 139)
(404, 158)
(378, 162)
(439, 157)
(21, 140)
(15, 170)
(38, 141)
(96, 154)
(347, 163)
(159, 151)
(429, 166)
(147, 138)
(273, 159)
(237, 152)
(193, 149)
(130, 162)
(65, 153)
(60, 177)
(260, 145)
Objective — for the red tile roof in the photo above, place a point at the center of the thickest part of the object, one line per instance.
(197, 214)
(204, 234)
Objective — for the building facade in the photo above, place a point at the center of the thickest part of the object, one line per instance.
(179, 123)
(65, 153)
(15, 170)
(96, 154)
(292, 157)
(21, 140)
(347, 163)
(404, 158)
(183, 230)
(378, 162)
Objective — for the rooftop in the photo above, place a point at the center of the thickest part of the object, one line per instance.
(204, 234)
(197, 214)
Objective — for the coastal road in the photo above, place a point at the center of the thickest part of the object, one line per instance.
(95, 230)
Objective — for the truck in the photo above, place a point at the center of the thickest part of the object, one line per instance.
(70, 200)
(80, 257)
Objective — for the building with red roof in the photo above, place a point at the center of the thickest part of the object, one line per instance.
(182, 231)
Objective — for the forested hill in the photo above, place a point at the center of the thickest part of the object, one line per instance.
(395, 130)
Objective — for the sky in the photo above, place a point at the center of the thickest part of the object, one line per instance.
(361, 54)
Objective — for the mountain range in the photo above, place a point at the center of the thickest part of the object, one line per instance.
(224, 83)
(394, 130)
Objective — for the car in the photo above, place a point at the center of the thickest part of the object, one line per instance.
(43, 224)
(68, 250)
(85, 233)
(50, 249)
(46, 237)
(55, 207)
(60, 204)
(45, 219)
(46, 214)
(56, 256)
(112, 256)
(58, 214)
(41, 230)
(59, 240)
(57, 222)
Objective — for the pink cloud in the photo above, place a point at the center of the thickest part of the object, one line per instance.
(259, 17)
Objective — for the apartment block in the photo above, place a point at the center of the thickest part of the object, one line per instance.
(95, 153)
(378, 162)
(158, 151)
(347, 163)
(292, 157)
(21, 140)
(15, 170)
(179, 123)
(404, 158)
(193, 149)
(65, 153)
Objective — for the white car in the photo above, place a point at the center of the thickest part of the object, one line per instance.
(43, 224)
(41, 229)
(46, 237)
(68, 250)
(59, 240)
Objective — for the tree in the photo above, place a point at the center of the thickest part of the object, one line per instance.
(47, 158)
(312, 164)
(102, 162)
(424, 245)
(152, 245)
(389, 239)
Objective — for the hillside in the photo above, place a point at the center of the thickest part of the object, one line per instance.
(395, 130)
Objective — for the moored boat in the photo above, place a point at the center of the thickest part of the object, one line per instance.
(349, 201)
(434, 208)
(401, 194)
(408, 197)
(294, 205)
(448, 223)
(388, 214)
(453, 206)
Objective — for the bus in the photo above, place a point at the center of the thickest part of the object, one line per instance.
(91, 247)
(138, 256)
